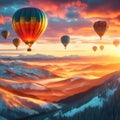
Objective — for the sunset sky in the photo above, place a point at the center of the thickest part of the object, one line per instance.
(65, 17)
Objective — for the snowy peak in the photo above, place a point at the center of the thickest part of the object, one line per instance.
(17, 70)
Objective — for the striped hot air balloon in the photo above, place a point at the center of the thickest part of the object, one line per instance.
(29, 23)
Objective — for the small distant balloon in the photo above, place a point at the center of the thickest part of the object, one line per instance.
(116, 43)
(16, 42)
(65, 40)
(29, 23)
(5, 34)
(101, 47)
(100, 28)
(94, 48)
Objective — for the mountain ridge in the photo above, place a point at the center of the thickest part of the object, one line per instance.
(100, 94)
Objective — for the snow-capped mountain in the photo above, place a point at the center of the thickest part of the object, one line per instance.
(27, 57)
(100, 103)
(16, 70)
(18, 84)
(12, 111)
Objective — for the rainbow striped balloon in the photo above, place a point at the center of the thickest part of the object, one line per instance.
(29, 23)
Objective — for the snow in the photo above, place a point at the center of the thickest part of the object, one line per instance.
(84, 77)
(36, 56)
(50, 106)
(16, 86)
(94, 102)
(2, 105)
(47, 119)
(28, 86)
(57, 106)
(118, 80)
(26, 110)
(20, 69)
(31, 86)
(2, 118)
(110, 92)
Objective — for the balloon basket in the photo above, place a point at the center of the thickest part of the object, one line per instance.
(29, 49)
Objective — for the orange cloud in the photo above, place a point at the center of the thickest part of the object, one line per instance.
(2, 20)
(57, 8)
(5, 19)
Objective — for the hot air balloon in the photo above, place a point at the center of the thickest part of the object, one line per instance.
(5, 34)
(100, 27)
(65, 40)
(16, 42)
(116, 43)
(94, 48)
(29, 23)
(101, 47)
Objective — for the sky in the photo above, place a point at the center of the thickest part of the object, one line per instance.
(65, 17)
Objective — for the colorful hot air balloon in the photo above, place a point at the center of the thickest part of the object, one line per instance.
(100, 27)
(94, 48)
(116, 43)
(29, 23)
(5, 33)
(101, 47)
(16, 42)
(65, 40)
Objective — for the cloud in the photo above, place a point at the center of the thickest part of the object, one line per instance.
(102, 7)
(57, 8)
(4, 19)
(73, 12)
(93, 3)
(4, 3)
(8, 8)
(59, 26)
(97, 42)
(64, 16)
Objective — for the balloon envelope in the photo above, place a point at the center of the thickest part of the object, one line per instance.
(29, 23)
(16, 42)
(5, 33)
(65, 40)
(116, 43)
(101, 47)
(100, 27)
(94, 48)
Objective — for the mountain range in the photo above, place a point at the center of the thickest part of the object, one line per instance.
(57, 90)
(98, 103)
